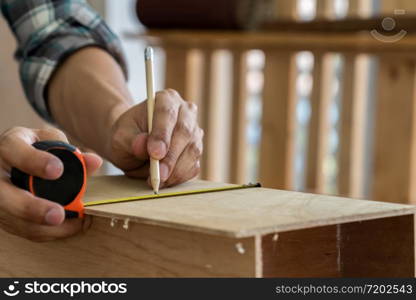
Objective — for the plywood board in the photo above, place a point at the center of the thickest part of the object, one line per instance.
(375, 248)
(238, 213)
(378, 248)
(140, 251)
(312, 252)
(114, 187)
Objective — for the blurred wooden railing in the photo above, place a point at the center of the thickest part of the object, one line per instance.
(377, 110)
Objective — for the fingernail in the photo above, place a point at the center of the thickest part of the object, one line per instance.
(54, 168)
(164, 172)
(55, 216)
(158, 149)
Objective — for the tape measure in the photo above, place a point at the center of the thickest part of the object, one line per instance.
(68, 189)
(173, 194)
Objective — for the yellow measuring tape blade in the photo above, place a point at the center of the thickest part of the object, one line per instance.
(173, 194)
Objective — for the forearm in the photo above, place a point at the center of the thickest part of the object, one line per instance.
(86, 96)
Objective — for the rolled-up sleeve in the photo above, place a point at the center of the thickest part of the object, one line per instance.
(48, 32)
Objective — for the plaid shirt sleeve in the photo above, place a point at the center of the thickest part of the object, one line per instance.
(47, 32)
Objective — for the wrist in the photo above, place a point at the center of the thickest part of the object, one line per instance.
(116, 111)
(86, 101)
(110, 125)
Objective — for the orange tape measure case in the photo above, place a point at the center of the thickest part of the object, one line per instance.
(68, 189)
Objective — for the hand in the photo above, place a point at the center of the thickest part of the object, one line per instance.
(176, 140)
(22, 213)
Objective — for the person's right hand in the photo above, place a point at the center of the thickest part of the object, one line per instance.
(22, 213)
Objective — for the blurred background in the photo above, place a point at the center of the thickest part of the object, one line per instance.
(306, 95)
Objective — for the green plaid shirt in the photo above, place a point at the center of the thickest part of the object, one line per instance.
(47, 32)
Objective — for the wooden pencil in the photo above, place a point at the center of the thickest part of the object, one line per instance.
(154, 164)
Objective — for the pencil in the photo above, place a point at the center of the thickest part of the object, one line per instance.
(154, 164)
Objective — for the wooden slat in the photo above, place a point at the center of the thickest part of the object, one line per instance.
(360, 8)
(319, 122)
(278, 121)
(176, 69)
(355, 83)
(378, 248)
(324, 9)
(203, 110)
(205, 88)
(285, 10)
(140, 251)
(395, 132)
(194, 88)
(238, 153)
(209, 113)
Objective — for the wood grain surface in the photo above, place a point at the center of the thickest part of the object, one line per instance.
(237, 213)
(139, 251)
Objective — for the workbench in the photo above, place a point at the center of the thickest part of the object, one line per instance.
(254, 232)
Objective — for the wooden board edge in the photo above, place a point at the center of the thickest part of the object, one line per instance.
(259, 231)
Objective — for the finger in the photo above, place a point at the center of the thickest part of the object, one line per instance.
(184, 131)
(187, 164)
(122, 147)
(51, 134)
(93, 162)
(139, 146)
(4, 168)
(43, 233)
(164, 121)
(142, 172)
(179, 178)
(16, 150)
(22, 204)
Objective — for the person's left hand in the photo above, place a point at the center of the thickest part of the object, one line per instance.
(176, 140)
(22, 213)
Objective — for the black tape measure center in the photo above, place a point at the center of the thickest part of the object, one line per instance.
(66, 188)
(62, 190)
